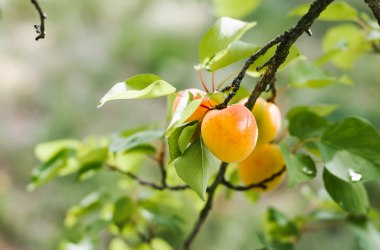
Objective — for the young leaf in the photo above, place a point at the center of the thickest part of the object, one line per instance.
(177, 146)
(123, 210)
(352, 197)
(234, 8)
(300, 167)
(350, 150)
(306, 74)
(49, 169)
(196, 166)
(338, 11)
(220, 36)
(138, 87)
(236, 51)
(46, 150)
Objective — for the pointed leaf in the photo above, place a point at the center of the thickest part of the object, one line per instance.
(138, 87)
(352, 197)
(306, 124)
(173, 140)
(350, 150)
(126, 143)
(196, 166)
(220, 36)
(300, 167)
(46, 150)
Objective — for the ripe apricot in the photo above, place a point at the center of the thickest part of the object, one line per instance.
(268, 118)
(262, 163)
(201, 111)
(230, 133)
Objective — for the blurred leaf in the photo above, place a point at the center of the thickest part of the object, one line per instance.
(319, 109)
(279, 228)
(124, 208)
(135, 141)
(306, 74)
(84, 244)
(220, 36)
(300, 167)
(305, 124)
(160, 244)
(91, 161)
(46, 150)
(343, 44)
(49, 169)
(118, 244)
(352, 197)
(129, 161)
(241, 94)
(87, 205)
(138, 87)
(337, 11)
(293, 54)
(196, 166)
(350, 150)
(367, 234)
(234, 8)
(236, 51)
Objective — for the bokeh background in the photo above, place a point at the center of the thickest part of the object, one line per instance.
(49, 90)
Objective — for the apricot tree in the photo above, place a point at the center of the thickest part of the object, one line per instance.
(207, 133)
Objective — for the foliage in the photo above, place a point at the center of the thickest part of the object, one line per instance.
(344, 154)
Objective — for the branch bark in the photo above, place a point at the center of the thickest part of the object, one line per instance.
(40, 29)
(374, 5)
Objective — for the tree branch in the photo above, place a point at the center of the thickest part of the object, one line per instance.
(207, 207)
(288, 39)
(374, 5)
(261, 184)
(40, 29)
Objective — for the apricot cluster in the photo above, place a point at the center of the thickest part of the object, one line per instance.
(266, 159)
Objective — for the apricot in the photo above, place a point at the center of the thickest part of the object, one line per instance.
(206, 105)
(268, 118)
(231, 133)
(262, 163)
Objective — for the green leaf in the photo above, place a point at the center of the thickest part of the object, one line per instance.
(278, 227)
(234, 8)
(220, 36)
(337, 11)
(46, 150)
(293, 54)
(350, 150)
(236, 51)
(196, 166)
(91, 161)
(84, 244)
(129, 161)
(138, 139)
(306, 74)
(352, 197)
(306, 124)
(118, 244)
(186, 136)
(138, 87)
(47, 170)
(87, 205)
(124, 208)
(343, 44)
(160, 244)
(300, 167)
(180, 138)
(318, 109)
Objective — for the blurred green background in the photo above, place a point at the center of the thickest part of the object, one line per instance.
(49, 90)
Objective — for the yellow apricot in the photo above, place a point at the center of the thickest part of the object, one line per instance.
(262, 163)
(230, 133)
(268, 118)
(201, 111)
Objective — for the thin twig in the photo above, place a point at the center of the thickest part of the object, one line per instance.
(374, 5)
(40, 29)
(148, 183)
(262, 184)
(207, 207)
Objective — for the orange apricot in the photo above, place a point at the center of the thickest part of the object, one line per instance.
(230, 133)
(262, 163)
(268, 118)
